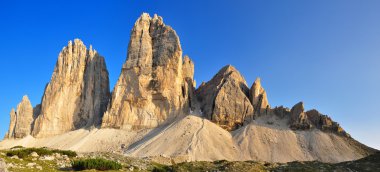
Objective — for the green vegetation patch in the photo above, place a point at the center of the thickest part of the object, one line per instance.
(24, 152)
(160, 168)
(95, 164)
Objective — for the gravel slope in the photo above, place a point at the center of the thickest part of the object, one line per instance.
(193, 138)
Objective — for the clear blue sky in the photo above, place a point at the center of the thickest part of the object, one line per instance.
(325, 53)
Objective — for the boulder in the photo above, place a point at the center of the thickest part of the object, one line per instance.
(34, 154)
(47, 158)
(39, 167)
(156, 84)
(15, 157)
(78, 93)
(225, 99)
(31, 165)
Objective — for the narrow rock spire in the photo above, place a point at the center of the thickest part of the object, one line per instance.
(21, 121)
(258, 97)
(12, 124)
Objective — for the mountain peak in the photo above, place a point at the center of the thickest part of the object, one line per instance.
(155, 82)
(77, 94)
(25, 98)
(144, 16)
(257, 81)
(224, 99)
(228, 68)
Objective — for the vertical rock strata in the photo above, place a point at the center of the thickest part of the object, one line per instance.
(156, 83)
(77, 94)
(21, 121)
(224, 99)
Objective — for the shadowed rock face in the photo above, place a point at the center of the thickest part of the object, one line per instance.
(77, 94)
(21, 121)
(224, 99)
(156, 83)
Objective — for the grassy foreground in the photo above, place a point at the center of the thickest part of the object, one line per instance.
(42, 159)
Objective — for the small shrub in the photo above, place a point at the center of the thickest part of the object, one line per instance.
(161, 168)
(95, 164)
(21, 153)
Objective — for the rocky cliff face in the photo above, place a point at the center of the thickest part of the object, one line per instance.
(77, 94)
(224, 99)
(156, 83)
(21, 120)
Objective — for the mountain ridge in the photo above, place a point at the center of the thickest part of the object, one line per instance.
(155, 99)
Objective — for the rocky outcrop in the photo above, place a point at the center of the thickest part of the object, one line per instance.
(325, 123)
(298, 118)
(258, 97)
(155, 85)
(301, 120)
(21, 120)
(281, 112)
(224, 99)
(77, 94)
